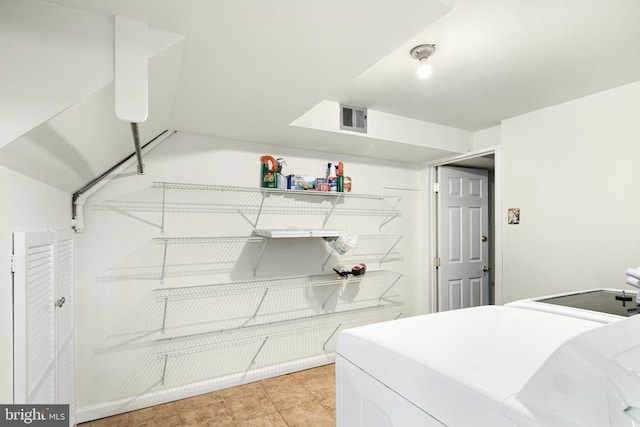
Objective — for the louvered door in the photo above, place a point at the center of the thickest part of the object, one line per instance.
(34, 354)
(44, 343)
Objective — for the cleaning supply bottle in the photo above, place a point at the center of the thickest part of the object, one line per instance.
(331, 178)
(268, 172)
(281, 180)
(340, 178)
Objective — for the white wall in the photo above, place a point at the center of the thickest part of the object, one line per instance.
(486, 137)
(115, 321)
(27, 205)
(572, 169)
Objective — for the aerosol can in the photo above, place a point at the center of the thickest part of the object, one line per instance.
(268, 172)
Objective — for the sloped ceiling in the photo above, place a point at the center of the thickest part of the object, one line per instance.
(252, 67)
(248, 69)
(82, 142)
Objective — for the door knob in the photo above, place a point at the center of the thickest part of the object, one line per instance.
(485, 268)
(484, 238)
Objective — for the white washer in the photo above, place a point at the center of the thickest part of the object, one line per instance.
(483, 366)
(600, 305)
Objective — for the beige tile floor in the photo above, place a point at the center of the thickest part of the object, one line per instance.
(305, 398)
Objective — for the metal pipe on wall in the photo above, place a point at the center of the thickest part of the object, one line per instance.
(81, 196)
(136, 143)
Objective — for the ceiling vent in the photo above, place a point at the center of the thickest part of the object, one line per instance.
(353, 118)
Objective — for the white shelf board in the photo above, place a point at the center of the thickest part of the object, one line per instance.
(296, 233)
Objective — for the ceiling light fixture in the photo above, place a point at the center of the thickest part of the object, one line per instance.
(422, 53)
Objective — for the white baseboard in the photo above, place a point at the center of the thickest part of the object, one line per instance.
(158, 397)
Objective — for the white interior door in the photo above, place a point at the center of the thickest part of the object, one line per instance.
(44, 338)
(463, 228)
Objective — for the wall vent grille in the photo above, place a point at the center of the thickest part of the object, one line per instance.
(353, 118)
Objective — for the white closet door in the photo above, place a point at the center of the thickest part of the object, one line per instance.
(34, 318)
(65, 335)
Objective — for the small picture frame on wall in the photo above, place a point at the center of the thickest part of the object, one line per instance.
(513, 216)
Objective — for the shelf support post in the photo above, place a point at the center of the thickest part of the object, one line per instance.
(324, 345)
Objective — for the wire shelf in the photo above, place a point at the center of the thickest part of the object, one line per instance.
(268, 191)
(180, 346)
(164, 257)
(228, 358)
(273, 284)
(235, 305)
(168, 197)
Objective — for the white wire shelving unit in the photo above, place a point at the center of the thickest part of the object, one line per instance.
(251, 203)
(222, 330)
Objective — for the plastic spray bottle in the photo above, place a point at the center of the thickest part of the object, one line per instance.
(281, 180)
(331, 178)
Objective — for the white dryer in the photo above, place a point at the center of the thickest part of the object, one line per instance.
(489, 366)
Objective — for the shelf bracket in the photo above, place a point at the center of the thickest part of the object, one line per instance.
(333, 206)
(164, 369)
(324, 345)
(264, 246)
(389, 251)
(391, 215)
(332, 294)
(388, 289)
(164, 262)
(253, 361)
(254, 224)
(255, 313)
(324, 264)
(164, 315)
(264, 295)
